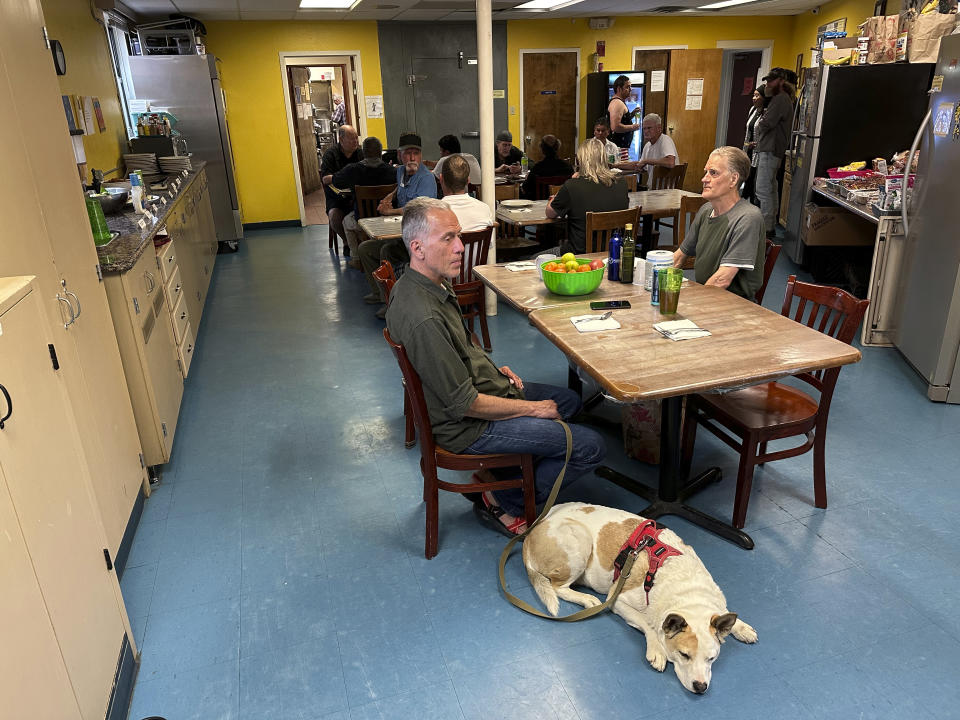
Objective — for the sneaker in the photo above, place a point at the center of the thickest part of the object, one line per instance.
(372, 299)
(382, 313)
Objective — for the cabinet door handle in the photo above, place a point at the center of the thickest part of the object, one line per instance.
(6, 396)
(69, 305)
(151, 283)
(177, 288)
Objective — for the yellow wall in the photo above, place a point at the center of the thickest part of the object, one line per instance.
(629, 32)
(806, 24)
(89, 72)
(254, 89)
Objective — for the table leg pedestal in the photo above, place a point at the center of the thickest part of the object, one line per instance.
(668, 498)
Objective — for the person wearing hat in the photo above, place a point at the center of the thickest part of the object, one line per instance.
(772, 133)
(507, 161)
(414, 180)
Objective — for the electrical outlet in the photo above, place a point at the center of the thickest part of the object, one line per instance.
(513, 110)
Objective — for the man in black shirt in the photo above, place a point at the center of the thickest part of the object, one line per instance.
(507, 161)
(550, 166)
(334, 159)
(369, 171)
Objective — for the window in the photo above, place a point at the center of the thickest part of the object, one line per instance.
(119, 40)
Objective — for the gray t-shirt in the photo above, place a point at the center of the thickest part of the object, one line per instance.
(735, 239)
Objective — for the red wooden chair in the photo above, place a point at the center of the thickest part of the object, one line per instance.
(770, 259)
(748, 419)
(433, 457)
(386, 279)
(471, 292)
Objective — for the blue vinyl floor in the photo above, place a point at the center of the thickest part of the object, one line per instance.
(278, 569)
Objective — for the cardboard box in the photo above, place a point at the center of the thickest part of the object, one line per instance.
(838, 50)
(835, 226)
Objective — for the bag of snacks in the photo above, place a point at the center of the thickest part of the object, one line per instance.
(882, 31)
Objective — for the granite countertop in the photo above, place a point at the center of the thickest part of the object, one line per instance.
(122, 253)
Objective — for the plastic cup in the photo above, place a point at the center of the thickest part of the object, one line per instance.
(670, 280)
(98, 223)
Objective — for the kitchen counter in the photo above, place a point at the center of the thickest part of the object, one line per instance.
(122, 253)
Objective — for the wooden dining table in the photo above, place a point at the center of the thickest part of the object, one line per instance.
(381, 227)
(653, 204)
(749, 344)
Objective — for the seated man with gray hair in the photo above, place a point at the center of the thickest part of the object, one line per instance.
(474, 406)
(372, 170)
(659, 149)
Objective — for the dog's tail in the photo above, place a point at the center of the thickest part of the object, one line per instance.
(545, 591)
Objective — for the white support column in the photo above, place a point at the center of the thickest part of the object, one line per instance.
(485, 89)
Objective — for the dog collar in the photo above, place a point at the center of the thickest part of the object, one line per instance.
(645, 537)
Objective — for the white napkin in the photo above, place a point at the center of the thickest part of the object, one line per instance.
(681, 330)
(393, 218)
(593, 323)
(520, 265)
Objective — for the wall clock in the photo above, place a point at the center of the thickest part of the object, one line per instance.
(59, 59)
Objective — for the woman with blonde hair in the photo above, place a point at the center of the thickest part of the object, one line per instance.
(595, 188)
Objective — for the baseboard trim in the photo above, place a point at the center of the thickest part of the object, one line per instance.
(122, 691)
(270, 225)
(123, 552)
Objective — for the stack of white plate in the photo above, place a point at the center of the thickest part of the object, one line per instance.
(145, 162)
(175, 164)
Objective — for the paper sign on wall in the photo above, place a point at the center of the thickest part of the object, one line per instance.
(374, 104)
(499, 95)
(694, 102)
(694, 86)
(658, 80)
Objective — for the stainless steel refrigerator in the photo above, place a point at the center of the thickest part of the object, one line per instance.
(849, 113)
(928, 327)
(188, 86)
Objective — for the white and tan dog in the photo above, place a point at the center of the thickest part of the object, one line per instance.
(687, 618)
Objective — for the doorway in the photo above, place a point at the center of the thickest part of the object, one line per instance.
(549, 99)
(743, 80)
(312, 83)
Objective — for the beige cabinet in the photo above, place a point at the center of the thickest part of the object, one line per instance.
(46, 233)
(141, 320)
(57, 587)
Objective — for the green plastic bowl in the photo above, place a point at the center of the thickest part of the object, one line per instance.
(581, 283)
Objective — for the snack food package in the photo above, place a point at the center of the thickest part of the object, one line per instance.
(882, 31)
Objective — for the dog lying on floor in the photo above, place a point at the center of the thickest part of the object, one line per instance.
(686, 619)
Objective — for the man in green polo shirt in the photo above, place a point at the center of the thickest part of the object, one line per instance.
(726, 235)
(474, 406)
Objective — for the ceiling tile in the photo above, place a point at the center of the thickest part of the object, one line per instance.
(190, 7)
(277, 14)
(152, 7)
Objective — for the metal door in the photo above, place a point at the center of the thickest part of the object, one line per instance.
(446, 102)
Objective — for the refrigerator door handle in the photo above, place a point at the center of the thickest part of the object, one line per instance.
(906, 171)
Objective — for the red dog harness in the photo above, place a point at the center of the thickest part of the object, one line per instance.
(645, 537)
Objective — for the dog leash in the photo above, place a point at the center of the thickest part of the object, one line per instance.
(505, 555)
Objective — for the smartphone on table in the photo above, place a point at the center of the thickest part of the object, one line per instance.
(609, 304)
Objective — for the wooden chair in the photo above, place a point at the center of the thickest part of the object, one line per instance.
(333, 242)
(689, 205)
(433, 457)
(752, 417)
(471, 292)
(600, 225)
(386, 279)
(631, 180)
(770, 259)
(545, 183)
(554, 189)
(506, 191)
(369, 196)
(665, 178)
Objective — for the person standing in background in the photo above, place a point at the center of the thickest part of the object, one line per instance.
(773, 135)
(621, 131)
(339, 111)
(760, 101)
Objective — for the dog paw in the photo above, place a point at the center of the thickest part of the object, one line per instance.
(743, 632)
(657, 660)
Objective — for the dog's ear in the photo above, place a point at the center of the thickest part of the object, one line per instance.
(673, 624)
(723, 624)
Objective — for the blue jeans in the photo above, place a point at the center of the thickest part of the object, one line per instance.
(546, 441)
(766, 189)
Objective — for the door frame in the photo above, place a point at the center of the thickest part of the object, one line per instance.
(306, 58)
(730, 48)
(523, 118)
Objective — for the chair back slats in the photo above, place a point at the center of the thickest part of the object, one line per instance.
(770, 259)
(600, 226)
(544, 183)
(665, 178)
(418, 405)
(385, 278)
(689, 205)
(369, 196)
(506, 191)
(476, 247)
(631, 180)
(829, 310)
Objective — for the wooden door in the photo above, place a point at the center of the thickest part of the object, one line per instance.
(651, 61)
(33, 681)
(47, 234)
(550, 81)
(302, 113)
(693, 130)
(50, 489)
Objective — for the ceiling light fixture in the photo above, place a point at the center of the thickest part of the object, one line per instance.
(545, 4)
(725, 3)
(328, 4)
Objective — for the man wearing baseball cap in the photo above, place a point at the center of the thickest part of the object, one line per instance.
(414, 179)
(507, 156)
(773, 137)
